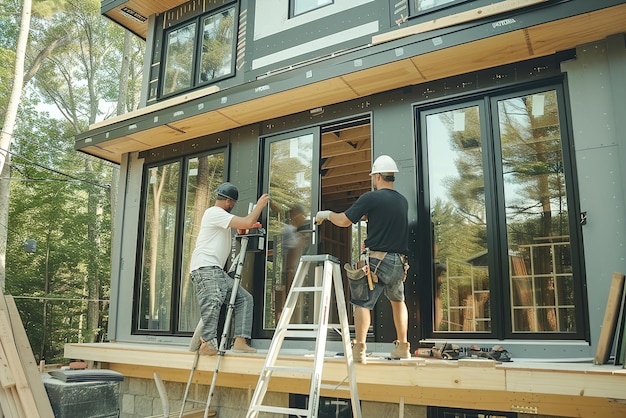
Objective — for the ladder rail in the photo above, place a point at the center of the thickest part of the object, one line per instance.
(227, 322)
(331, 276)
(347, 349)
(239, 260)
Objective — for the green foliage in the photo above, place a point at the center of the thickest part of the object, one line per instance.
(58, 197)
(53, 210)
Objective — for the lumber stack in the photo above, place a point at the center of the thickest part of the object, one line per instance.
(22, 393)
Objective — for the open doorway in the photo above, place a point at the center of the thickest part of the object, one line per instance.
(322, 167)
(345, 164)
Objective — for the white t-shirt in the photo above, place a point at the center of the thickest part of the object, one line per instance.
(214, 239)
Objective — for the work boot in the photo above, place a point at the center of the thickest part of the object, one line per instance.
(242, 347)
(208, 347)
(358, 353)
(402, 350)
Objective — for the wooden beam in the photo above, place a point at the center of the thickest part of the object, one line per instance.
(607, 334)
(456, 19)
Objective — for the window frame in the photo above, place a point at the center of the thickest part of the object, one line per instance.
(501, 305)
(413, 12)
(292, 8)
(197, 51)
(177, 253)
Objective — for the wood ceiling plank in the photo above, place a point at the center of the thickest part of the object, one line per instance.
(557, 36)
(379, 78)
(352, 169)
(478, 55)
(291, 101)
(196, 126)
(347, 155)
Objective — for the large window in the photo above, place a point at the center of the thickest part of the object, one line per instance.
(299, 7)
(199, 52)
(502, 234)
(424, 6)
(176, 195)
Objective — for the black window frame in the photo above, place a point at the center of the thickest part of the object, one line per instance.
(501, 307)
(177, 254)
(413, 12)
(197, 51)
(292, 8)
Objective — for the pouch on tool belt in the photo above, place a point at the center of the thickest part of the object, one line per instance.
(355, 273)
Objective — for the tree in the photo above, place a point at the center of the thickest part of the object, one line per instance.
(60, 197)
(42, 8)
(9, 121)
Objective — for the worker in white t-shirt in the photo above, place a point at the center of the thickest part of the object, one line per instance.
(213, 285)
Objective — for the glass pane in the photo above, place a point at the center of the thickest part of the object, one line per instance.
(536, 214)
(303, 6)
(217, 46)
(204, 174)
(158, 248)
(422, 5)
(179, 59)
(457, 198)
(289, 223)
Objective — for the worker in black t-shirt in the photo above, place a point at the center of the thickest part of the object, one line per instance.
(386, 211)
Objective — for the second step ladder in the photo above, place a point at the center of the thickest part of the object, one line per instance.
(321, 291)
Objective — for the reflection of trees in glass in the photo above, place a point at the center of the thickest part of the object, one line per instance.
(179, 59)
(466, 188)
(159, 246)
(536, 205)
(217, 45)
(532, 166)
(205, 173)
(535, 201)
(289, 185)
(457, 194)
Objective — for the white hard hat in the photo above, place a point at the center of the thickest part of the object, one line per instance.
(384, 164)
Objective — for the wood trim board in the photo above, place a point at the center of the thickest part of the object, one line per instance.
(621, 328)
(607, 334)
(455, 19)
(22, 392)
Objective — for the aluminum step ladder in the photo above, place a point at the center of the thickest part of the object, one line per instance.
(331, 274)
(257, 235)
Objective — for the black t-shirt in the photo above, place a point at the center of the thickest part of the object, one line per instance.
(387, 220)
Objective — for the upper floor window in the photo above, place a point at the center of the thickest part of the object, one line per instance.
(299, 7)
(421, 6)
(201, 51)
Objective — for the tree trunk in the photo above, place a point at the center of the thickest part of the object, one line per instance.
(5, 184)
(9, 125)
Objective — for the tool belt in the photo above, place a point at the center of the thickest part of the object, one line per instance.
(359, 270)
(372, 277)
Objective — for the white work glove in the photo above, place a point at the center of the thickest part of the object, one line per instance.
(321, 216)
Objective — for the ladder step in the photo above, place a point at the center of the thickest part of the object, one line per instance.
(301, 334)
(339, 386)
(311, 327)
(331, 277)
(302, 289)
(280, 410)
(290, 369)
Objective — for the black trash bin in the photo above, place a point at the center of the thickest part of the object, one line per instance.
(84, 393)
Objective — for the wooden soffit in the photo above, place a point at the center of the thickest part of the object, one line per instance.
(281, 96)
(133, 14)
